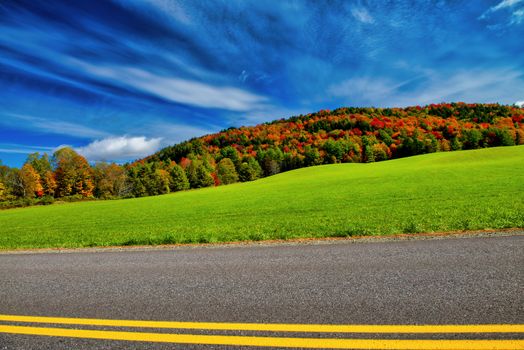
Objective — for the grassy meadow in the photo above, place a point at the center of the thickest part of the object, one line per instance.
(464, 190)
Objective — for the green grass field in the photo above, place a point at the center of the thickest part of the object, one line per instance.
(463, 190)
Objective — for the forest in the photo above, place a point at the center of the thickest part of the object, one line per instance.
(248, 153)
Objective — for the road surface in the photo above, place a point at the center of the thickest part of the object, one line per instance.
(455, 281)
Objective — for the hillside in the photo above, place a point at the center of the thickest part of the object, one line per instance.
(353, 135)
(344, 135)
(442, 191)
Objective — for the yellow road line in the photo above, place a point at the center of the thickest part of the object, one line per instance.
(309, 343)
(274, 327)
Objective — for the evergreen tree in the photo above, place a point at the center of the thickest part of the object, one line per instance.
(249, 170)
(203, 177)
(178, 181)
(226, 171)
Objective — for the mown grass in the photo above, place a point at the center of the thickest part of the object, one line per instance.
(464, 190)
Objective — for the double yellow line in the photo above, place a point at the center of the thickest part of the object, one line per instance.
(269, 341)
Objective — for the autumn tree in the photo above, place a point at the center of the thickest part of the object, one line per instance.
(30, 181)
(10, 177)
(226, 171)
(43, 167)
(73, 174)
(49, 183)
(162, 181)
(2, 191)
(109, 179)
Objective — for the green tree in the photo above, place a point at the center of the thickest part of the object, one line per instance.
(312, 156)
(271, 160)
(369, 155)
(226, 171)
(249, 170)
(203, 177)
(471, 138)
(178, 181)
(41, 164)
(231, 153)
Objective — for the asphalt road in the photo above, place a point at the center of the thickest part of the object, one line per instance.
(438, 281)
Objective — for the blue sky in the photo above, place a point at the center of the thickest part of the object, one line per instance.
(117, 80)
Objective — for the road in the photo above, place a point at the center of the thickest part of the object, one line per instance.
(463, 281)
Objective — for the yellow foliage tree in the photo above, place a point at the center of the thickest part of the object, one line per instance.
(30, 182)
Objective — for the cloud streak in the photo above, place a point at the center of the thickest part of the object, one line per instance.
(23, 149)
(476, 85)
(515, 8)
(178, 90)
(59, 127)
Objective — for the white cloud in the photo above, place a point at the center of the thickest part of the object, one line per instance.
(361, 14)
(178, 90)
(52, 126)
(120, 148)
(519, 104)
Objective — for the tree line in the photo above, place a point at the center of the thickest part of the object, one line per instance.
(67, 176)
(248, 153)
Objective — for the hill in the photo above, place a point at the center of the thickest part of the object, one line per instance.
(442, 191)
(345, 135)
(353, 135)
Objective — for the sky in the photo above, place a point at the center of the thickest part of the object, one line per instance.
(118, 80)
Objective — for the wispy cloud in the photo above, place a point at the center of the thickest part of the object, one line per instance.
(171, 8)
(371, 90)
(519, 104)
(515, 9)
(475, 85)
(362, 14)
(120, 148)
(172, 133)
(517, 17)
(178, 90)
(24, 149)
(504, 4)
(54, 126)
